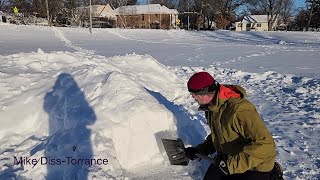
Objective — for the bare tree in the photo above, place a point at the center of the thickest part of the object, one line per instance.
(286, 12)
(300, 21)
(210, 10)
(24, 6)
(39, 7)
(131, 2)
(311, 5)
(55, 7)
(3, 4)
(117, 3)
(231, 5)
(220, 11)
(72, 11)
(168, 3)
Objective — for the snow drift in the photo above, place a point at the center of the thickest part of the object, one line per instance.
(84, 107)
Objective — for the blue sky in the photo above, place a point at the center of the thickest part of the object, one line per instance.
(142, 1)
(300, 3)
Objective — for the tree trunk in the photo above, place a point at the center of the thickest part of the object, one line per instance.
(199, 21)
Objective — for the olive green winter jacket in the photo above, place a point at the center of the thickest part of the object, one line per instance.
(239, 133)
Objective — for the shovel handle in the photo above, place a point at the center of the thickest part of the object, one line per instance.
(205, 157)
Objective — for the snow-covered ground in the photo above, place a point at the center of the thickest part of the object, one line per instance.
(68, 95)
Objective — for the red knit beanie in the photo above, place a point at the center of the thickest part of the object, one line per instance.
(201, 83)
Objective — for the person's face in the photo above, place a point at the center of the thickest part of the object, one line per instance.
(202, 99)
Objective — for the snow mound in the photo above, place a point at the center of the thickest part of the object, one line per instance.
(74, 106)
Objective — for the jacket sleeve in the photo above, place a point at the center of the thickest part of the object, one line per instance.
(206, 147)
(260, 152)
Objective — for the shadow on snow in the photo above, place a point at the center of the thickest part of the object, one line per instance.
(69, 138)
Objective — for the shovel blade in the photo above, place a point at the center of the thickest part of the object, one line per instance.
(175, 151)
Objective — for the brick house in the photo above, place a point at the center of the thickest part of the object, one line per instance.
(152, 16)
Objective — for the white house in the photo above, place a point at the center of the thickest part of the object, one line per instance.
(103, 11)
(99, 11)
(102, 15)
(253, 23)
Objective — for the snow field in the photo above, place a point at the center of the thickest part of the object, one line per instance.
(69, 94)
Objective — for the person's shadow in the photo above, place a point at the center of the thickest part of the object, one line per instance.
(69, 142)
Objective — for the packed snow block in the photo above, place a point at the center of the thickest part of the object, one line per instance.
(137, 117)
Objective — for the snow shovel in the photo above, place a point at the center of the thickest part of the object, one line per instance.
(175, 151)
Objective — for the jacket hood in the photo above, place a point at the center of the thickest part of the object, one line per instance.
(226, 92)
(238, 89)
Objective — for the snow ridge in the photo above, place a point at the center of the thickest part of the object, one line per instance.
(84, 105)
(81, 115)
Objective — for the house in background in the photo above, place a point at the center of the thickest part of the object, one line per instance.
(102, 16)
(152, 16)
(253, 23)
(103, 11)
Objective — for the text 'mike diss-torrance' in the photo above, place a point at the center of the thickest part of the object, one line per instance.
(25, 161)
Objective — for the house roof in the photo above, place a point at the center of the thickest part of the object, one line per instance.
(144, 9)
(101, 11)
(255, 19)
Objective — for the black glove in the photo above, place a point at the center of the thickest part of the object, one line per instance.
(221, 162)
(190, 153)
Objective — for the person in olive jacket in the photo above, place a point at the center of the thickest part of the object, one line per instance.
(244, 146)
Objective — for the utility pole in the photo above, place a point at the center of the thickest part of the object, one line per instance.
(48, 17)
(160, 16)
(188, 17)
(90, 16)
(149, 13)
